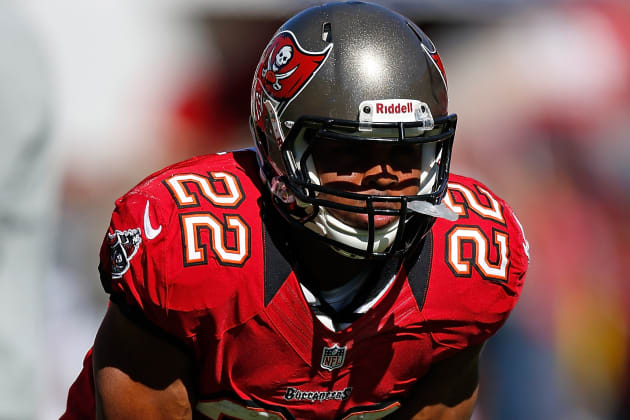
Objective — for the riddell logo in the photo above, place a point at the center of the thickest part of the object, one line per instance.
(394, 108)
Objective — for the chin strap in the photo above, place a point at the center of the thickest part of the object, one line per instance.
(434, 210)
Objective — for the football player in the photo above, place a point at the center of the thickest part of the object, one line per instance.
(336, 271)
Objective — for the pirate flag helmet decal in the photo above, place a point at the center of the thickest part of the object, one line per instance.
(285, 68)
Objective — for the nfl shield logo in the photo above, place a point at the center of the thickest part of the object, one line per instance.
(333, 357)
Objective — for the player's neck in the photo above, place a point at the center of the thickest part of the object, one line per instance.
(320, 265)
(316, 264)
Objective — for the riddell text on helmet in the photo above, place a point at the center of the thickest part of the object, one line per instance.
(394, 109)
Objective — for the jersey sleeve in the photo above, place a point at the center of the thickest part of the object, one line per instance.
(478, 268)
(183, 248)
(133, 261)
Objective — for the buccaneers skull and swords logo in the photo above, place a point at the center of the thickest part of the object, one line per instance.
(285, 68)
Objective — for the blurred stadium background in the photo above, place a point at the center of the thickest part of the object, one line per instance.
(542, 89)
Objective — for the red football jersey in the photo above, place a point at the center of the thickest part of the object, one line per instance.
(188, 247)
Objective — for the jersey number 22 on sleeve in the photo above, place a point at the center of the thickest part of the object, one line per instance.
(229, 238)
(460, 235)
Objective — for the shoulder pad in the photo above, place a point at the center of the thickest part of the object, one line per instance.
(477, 268)
(182, 244)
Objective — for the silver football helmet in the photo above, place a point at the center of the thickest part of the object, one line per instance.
(360, 74)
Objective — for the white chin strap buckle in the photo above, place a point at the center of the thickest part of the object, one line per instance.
(435, 210)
